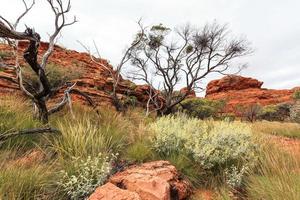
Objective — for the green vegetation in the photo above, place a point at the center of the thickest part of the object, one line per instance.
(56, 74)
(84, 176)
(201, 108)
(280, 112)
(296, 95)
(278, 176)
(221, 156)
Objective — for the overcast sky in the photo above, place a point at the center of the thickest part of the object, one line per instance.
(272, 26)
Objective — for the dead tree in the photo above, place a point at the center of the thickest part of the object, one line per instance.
(186, 62)
(39, 96)
(115, 73)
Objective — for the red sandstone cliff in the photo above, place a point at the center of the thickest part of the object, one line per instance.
(238, 90)
(94, 79)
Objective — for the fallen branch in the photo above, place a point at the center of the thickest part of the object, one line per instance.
(6, 136)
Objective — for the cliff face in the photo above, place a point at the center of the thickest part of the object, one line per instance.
(238, 90)
(95, 80)
(92, 79)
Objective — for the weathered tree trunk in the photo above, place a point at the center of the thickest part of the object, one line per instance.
(43, 114)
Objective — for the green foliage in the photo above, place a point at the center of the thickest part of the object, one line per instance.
(129, 101)
(225, 145)
(57, 75)
(172, 133)
(215, 146)
(187, 166)
(278, 112)
(296, 95)
(85, 175)
(201, 108)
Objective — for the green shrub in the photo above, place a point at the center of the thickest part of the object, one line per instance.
(173, 133)
(201, 108)
(278, 112)
(129, 101)
(84, 175)
(296, 95)
(215, 146)
(57, 75)
(225, 144)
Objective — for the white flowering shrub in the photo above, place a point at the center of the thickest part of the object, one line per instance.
(173, 133)
(225, 144)
(86, 176)
(234, 176)
(214, 145)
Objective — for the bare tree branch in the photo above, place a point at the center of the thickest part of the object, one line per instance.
(6, 136)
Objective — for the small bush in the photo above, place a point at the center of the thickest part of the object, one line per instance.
(85, 176)
(57, 75)
(129, 101)
(173, 133)
(280, 112)
(296, 95)
(201, 108)
(215, 146)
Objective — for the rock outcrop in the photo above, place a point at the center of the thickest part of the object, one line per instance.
(232, 83)
(93, 79)
(238, 90)
(111, 192)
(158, 180)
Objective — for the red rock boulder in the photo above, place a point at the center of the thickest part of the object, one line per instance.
(242, 91)
(158, 180)
(232, 82)
(111, 192)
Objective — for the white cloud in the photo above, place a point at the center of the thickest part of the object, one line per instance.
(271, 26)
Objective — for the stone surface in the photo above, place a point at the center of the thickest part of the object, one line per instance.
(238, 90)
(232, 82)
(158, 180)
(94, 80)
(111, 192)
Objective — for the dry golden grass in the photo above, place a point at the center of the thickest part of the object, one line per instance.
(285, 129)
